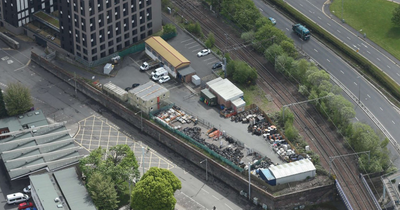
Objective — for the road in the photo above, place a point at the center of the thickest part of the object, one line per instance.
(380, 110)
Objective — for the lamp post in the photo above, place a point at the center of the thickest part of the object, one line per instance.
(141, 120)
(359, 89)
(206, 168)
(249, 179)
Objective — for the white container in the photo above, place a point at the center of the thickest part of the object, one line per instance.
(307, 148)
(196, 80)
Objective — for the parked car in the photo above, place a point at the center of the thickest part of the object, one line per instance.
(273, 21)
(135, 85)
(203, 52)
(25, 205)
(164, 79)
(17, 198)
(156, 77)
(33, 208)
(217, 65)
(27, 189)
(128, 89)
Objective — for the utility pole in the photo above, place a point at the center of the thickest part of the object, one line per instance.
(75, 82)
(206, 168)
(249, 179)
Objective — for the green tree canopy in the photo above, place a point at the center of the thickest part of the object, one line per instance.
(169, 28)
(288, 48)
(241, 72)
(396, 16)
(210, 40)
(155, 190)
(273, 52)
(18, 99)
(3, 111)
(101, 189)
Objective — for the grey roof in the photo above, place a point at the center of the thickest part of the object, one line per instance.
(46, 190)
(45, 147)
(225, 88)
(149, 91)
(186, 71)
(208, 94)
(74, 191)
(239, 102)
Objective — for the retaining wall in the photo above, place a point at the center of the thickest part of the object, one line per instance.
(232, 178)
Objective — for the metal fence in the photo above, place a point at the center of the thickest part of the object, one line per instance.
(371, 194)
(342, 195)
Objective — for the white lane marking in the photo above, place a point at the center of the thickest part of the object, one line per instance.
(356, 118)
(348, 38)
(355, 83)
(368, 52)
(378, 59)
(193, 46)
(328, 60)
(215, 197)
(398, 74)
(186, 40)
(368, 96)
(228, 206)
(287, 29)
(190, 43)
(328, 24)
(205, 191)
(196, 50)
(388, 66)
(381, 108)
(315, 50)
(319, 18)
(364, 45)
(192, 199)
(342, 71)
(338, 31)
(261, 10)
(393, 122)
(310, 11)
(301, 5)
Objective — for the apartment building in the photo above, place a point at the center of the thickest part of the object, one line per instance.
(93, 29)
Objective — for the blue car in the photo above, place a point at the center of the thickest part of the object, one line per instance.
(273, 21)
(32, 208)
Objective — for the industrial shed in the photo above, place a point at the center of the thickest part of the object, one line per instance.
(158, 49)
(292, 172)
(148, 97)
(226, 93)
(115, 91)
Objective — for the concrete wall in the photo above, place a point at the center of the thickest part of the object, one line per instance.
(232, 178)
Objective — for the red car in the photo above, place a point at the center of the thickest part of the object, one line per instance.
(25, 205)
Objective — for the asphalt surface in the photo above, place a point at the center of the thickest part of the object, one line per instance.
(380, 111)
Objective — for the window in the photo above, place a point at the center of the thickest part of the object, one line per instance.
(134, 32)
(92, 24)
(102, 47)
(150, 32)
(84, 51)
(142, 28)
(148, 14)
(118, 39)
(94, 58)
(117, 13)
(111, 51)
(149, 25)
(118, 28)
(134, 21)
(141, 17)
(109, 16)
(110, 43)
(78, 47)
(101, 20)
(94, 50)
(126, 36)
(148, 2)
(110, 32)
(127, 43)
(125, 9)
(119, 47)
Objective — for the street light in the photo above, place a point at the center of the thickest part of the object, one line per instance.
(249, 179)
(206, 168)
(141, 120)
(359, 89)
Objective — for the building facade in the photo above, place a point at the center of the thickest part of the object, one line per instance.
(93, 29)
(16, 13)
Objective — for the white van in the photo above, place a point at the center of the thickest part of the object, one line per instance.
(17, 198)
(160, 74)
(157, 70)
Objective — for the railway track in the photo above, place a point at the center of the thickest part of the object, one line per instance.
(307, 120)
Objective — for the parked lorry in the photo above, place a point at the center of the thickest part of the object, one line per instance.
(150, 65)
(301, 31)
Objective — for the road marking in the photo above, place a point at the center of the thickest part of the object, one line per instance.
(186, 40)
(328, 60)
(193, 46)
(328, 24)
(355, 83)
(338, 31)
(301, 5)
(356, 118)
(197, 50)
(388, 66)
(208, 59)
(315, 50)
(261, 10)
(319, 18)
(398, 74)
(378, 59)
(310, 11)
(393, 122)
(215, 197)
(348, 38)
(368, 96)
(228, 206)
(364, 45)
(4, 58)
(190, 43)
(342, 71)
(205, 191)
(381, 108)
(287, 29)
(368, 52)
(192, 199)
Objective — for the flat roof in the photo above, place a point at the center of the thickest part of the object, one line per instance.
(114, 88)
(47, 190)
(267, 173)
(167, 52)
(208, 94)
(239, 102)
(74, 190)
(186, 71)
(149, 91)
(225, 88)
(293, 168)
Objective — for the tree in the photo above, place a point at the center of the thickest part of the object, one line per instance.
(101, 189)
(241, 72)
(18, 99)
(3, 111)
(288, 48)
(272, 52)
(248, 36)
(169, 28)
(155, 190)
(396, 16)
(210, 40)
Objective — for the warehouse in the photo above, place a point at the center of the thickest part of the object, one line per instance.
(158, 49)
(226, 93)
(148, 97)
(288, 172)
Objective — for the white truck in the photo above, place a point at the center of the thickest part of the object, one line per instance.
(160, 74)
(149, 65)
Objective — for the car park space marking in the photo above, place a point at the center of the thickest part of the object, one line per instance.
(228, 206)
(338, 31)
(381, 108)
(186, 40)
(378, 59)
(315, 50)
(348, 38)
(301, 5)
(393, 122)
(368, 96)
(205, 191)
(328, 60)
(214, 61)
(328, 24)
(310, 11)
(356, 118)
(368, 52)
(388, 66)
(342, 71)
(191, 43)
(398, 74)
(319, 18)
(208, 58)
(193, 46)
(4, 58)
(261, 9)
(215, 197)
(196, 50)
(287, 29)
(355, 83)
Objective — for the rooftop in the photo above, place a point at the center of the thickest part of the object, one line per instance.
(289, 169)
(149, 91)
(225, 88)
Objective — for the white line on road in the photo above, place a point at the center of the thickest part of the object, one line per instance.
(348, 38)
(355, 83)
(328, 60)
(193, 46)
(381, 108)
(287, 29)
(338, 31)
(368, 52)
(301, 5)
(364, 45)
(378, 59)
(215, 197)
(310, 11)
(398, 74)
(261, 10)
(342, 71)
(393, 122)
(315, 50)
(228, 206)
(190, 43)
(186, 40)
(328, 24)
(388, 66)
(319, 18)
(368, 96)
(208, 59)
(356, 118)
(205, 191)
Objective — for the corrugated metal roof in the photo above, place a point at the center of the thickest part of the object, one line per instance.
(267, 173)
(149, 91)
(46, 191)
(225, 88)
(293, 168)
(74, 191)
(238, 102)
(167, 52)
(208, 94)
(114, 88)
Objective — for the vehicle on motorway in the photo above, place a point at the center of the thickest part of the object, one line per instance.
(164, 79)
(25, 205)
(17, 198)
(301, 31)
(135, 85)
(217, 65)
(27, 189)
(128, 89)
(273, 21)
(146, 66)
(203, 52)
(157, 70)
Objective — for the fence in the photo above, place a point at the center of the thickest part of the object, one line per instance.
(342, 195)
(371, 194)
